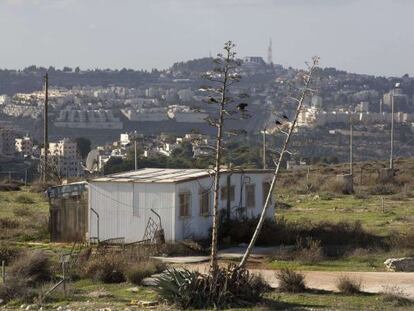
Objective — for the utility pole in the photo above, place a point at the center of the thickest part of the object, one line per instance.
(135, 154)
(45, 131)
(392, 129)
(351, 155)
(264, 148)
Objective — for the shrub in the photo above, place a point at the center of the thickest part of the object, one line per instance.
(8, 223)
(290, 281)
(107, 269)
(401, 240)
(283, 232)
(8, 252)
(228, 287)
(32, 266)
(383, 189)
(139, 271)
(396, 296)
(17, 288)
(24, 199)
(9, 187)
(309, 250)
(22, 211)
(348, 286)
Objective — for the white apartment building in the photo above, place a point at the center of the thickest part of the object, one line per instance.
(63, 158)
(24, 145)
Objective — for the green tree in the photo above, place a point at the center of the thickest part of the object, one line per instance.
(84, 146)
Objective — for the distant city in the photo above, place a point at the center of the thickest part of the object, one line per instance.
(115, 108)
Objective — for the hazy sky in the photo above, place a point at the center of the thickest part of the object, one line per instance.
(364, 36)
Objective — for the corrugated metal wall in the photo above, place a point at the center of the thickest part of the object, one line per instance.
(115, 203)
(68, 218)
(198, 226)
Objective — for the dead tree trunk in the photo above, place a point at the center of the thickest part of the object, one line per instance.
(305, 91)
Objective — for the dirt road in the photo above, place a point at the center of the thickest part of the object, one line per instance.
(372, 282)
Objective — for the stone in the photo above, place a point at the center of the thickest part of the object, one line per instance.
(133, 290)
(150, 281)
(100, 294)
(405, 264)
(147, 304)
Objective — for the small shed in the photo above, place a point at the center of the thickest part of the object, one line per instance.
(68, 207)
(180, 201)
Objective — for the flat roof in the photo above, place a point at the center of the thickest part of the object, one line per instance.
(166, 175)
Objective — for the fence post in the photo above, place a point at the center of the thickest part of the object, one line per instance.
(64, 277)
(3, 271)
(382, 204)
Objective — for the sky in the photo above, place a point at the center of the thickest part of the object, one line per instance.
(362, 36)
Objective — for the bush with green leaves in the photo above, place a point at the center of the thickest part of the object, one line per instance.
(228, 287)
(290, 281)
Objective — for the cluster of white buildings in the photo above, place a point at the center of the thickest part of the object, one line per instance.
(88, 119)
(314, 117)
(63, 158)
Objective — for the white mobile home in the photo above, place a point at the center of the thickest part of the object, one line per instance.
(120, 205)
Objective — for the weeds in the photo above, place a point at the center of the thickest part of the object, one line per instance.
(396, 296)
(32, 266)
(22, 211)
(290, 281)
(107, 269)
(24, 199)
(348, 286)
(139, 271)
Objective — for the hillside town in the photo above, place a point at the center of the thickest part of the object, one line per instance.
(206, 155)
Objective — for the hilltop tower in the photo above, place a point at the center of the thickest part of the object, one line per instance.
(270, 53)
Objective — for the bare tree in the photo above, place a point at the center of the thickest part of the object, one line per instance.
(222, 78)
(304, 92)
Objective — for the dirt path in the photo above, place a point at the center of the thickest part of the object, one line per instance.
(372, 282)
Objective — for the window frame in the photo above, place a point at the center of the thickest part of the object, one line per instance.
(223, 193)
(248, 199)
(264, 194)
(204, 194)
(185, 194)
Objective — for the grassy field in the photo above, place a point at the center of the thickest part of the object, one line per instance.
(23, 217)
(397, 215)
(24, 223)
(88, 295)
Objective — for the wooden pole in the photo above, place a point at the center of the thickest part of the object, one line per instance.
(45, 128)
(264, 148)
(3, 271)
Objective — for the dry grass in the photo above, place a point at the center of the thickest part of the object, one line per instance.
(290, 281)
(348, 286)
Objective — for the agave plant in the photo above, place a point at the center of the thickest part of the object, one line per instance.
(228, 287)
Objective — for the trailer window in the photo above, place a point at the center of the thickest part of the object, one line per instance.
(266, 188)
(224, 193)
(204, 202)
(185, 204)
(250, 195)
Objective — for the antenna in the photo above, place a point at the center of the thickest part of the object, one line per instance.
(45, 129)
(270, 53)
